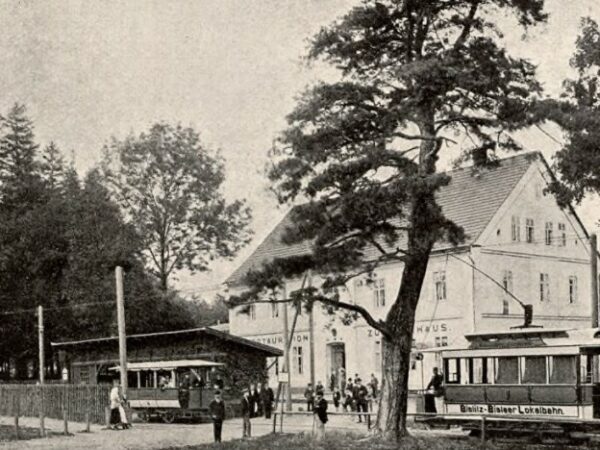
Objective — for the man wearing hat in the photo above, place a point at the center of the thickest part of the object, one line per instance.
(319, 416)
(217, 413)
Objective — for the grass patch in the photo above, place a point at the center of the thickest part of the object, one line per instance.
(340, 441)
(7, 433)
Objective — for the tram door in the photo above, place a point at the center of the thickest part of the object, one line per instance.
(592, 375)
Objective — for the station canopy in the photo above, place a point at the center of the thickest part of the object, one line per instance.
(168, 365)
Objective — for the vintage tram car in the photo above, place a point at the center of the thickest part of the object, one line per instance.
(156, 389)
(524, 380)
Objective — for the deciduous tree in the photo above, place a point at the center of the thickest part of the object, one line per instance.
(169, 187)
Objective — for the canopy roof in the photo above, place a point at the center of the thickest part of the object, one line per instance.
(168, 365)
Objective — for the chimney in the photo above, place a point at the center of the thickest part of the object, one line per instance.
(480, 156)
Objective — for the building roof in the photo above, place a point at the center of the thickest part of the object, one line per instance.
(470, 200)
(207, 331)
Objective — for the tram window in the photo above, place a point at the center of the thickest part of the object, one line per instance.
(563, 369)
(481, 370)
(452, 370)
(586, 369)
(534, 370)
(507, 370)
(465, 369)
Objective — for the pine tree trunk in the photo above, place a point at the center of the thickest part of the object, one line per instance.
(391, 419)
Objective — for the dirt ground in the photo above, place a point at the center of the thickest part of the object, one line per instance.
(146, 436)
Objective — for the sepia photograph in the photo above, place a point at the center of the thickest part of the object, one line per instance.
(299, 224)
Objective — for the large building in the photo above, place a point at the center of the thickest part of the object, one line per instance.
(517, 237)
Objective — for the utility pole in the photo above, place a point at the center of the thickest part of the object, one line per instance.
(121, 326)
(286, 356)
(594, 278)
(311, 336)
(42, 363)
(42, 359)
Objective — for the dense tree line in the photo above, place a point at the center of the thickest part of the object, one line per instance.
(60, 239)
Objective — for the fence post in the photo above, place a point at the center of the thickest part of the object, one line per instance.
(281, 423)
(42, 427)
(368, 421)
(88, 408)
(275, 422)
(65, 421)
(17, 435)
(65, 410)
(483, 429)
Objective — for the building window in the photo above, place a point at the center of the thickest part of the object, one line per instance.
(379, 292)
(297, 360)
(572, 289)
(439, 281)
(274, 310)
(507, 284)
(84, 375)
(252, 312)
(548, 233)
(529, 231)
(515, 229)
(544, 287)
(562, 235)
(441, 341)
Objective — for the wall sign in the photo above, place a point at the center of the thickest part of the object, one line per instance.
(513, 410)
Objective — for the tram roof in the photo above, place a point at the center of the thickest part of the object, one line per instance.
(168, 365)
(527, 341)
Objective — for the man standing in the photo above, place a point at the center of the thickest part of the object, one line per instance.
(319, 416)
(309, 395)
(246, 412)
(258, 398)
(360, 397)
(374, 385)
(252, 399)
(342, 378)
(217, 413)
(267, 400)
(184, 391)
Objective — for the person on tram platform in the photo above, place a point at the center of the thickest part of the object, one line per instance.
(435, 393)
(184, 391)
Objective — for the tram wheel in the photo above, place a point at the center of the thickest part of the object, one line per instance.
(144, 416)
(168, 417)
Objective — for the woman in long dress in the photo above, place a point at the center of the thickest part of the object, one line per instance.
(115, 402)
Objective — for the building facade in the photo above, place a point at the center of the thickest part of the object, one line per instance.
(518, 240)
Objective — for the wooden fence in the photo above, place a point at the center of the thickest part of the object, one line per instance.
(56, 400)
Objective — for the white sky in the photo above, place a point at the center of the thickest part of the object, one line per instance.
(230, 68)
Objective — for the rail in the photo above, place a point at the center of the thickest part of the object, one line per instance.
(483, 420)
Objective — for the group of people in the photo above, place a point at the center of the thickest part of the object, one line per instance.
(256, 402)
(351, 394)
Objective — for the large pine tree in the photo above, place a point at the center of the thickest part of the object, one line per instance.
(362, 152)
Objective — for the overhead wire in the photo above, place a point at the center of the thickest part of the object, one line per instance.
(55, 308)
